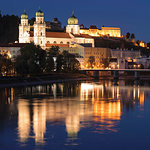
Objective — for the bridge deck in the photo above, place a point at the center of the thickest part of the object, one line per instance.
(127, 70)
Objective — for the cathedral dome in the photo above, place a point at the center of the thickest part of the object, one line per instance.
(24, 16)
(39, 13)
(73, 20)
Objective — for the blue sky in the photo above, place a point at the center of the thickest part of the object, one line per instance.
(130, 15)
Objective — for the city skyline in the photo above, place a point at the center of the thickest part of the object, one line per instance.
(118, 14)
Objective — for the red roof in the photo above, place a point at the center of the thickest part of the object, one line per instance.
(60, 45)
(58, 35)
(82, 35)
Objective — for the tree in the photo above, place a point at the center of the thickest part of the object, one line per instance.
(9, 28)
(54, 50)
(138, 42)
(127, 35)
(67, 62)
(6, 65)
(132, 36)
(31, 61)
(49, 64)
(70, 63)
(148, 44)
(59, 63)
(91, 62)
(105, 62)
(75, 65)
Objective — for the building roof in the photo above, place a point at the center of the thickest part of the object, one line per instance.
(59, 45)
(24, 16)
(61, 35)
(93, 27)
(110, 28)
(82, 35)
(73, 20)
(57, 35)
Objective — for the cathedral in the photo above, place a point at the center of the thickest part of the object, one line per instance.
(74, 34)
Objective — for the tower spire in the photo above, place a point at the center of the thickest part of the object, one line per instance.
(73, 13)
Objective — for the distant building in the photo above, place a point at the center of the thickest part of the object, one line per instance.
(12, 49)
(104, 31)
(122, 58)
(142, 44)
(84, 51)
(55, 25)
(144, 61)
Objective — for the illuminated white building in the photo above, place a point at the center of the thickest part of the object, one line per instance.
(38, 34)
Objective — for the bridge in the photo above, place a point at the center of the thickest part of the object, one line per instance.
(116, 72)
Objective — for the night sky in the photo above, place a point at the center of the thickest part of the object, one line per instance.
(130, 15)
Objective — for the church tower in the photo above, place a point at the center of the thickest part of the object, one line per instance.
(40, 29)
(73, 26)
(24, 29)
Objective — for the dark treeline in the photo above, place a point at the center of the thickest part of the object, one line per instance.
(9, 28)
(34, 60)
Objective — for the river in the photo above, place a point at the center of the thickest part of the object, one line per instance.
(76, 116)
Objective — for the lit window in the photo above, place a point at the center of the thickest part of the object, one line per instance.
(61, 42)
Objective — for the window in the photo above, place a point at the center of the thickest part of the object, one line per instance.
(61, 42)
(41, 33)
(55, 42)
(48, 42)
(68, 43)
(41, 42)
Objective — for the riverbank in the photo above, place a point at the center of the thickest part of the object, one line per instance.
(19, 81)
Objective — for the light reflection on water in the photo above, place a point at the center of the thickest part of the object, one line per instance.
(74, 106)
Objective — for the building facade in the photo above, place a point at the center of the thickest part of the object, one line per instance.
(39, 34)
(46, 39)
(104, 31)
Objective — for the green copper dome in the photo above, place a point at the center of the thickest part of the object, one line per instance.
(24, 16)
(73, 20)
(39, 13)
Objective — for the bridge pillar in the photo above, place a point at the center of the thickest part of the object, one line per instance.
(96, 74)
(116, 75)
(136, 75)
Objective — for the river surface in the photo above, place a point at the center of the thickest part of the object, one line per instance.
(76, 116)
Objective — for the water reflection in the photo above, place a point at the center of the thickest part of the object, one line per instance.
(39, 122)
(23, 120)
(77, 106)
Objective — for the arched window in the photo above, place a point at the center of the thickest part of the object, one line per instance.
(55, 42)
(61, 42)
(41, 42)
(68, 43)
(48, 42)
(41, 33)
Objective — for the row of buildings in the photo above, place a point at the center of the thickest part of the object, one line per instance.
(75, 39)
